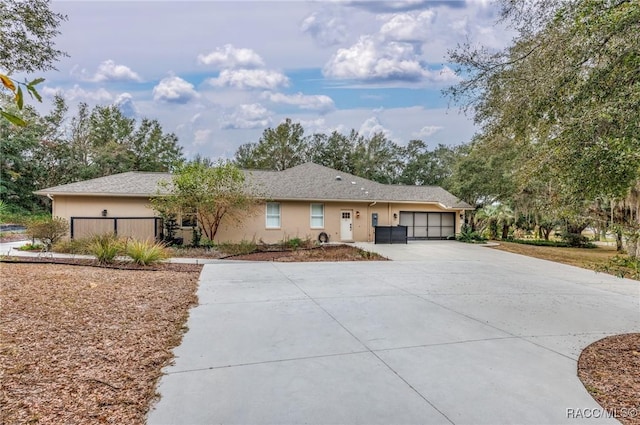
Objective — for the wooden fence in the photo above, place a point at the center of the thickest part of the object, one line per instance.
(140, 228)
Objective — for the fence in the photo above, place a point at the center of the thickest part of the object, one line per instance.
(141, 228)
(390, 234)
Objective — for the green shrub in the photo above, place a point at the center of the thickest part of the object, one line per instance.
(622, 266)
(145, 252)
(469, 236)
(105, 248)
(557, 244)
(31, 247)
(48, 230)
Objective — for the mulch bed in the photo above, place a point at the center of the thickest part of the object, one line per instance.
(323, 253)
(86, 345)
(610, 371)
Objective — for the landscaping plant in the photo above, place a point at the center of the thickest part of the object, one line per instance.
(145, 252)
(105, 248)
(48, 230)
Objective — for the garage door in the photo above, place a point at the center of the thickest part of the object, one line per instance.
(428, 225)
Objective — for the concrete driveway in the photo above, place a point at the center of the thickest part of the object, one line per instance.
(455, 333)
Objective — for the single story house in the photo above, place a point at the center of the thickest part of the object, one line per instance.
(306, 201)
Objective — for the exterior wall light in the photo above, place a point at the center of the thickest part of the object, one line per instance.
(395, 216)
(104, 213)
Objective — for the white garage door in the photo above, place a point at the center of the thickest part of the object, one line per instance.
(428, 225)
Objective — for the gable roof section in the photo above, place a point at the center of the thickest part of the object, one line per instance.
(304, 182)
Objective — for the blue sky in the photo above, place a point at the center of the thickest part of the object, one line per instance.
(217, 73)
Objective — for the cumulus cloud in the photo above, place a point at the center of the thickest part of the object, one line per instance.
(126, 105)
(372, 126)
(369, 59)
(250, 79)
(174, 89)
(427, 130)
(326, 28)
(408, 27)
(77, 93)
(110, 71)
(247, 116)
(320, 103)
(229, 57)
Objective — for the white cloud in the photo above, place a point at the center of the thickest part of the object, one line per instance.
(77, 93)
(201, 137)
(326, 28)
(428, 130)
(250, 79)
(110, 71)
(320, 103)
(408, 26)
(125, 102)
(248, 116)
(229, 57)
(369, 59)
(174, 89)
(372, 126)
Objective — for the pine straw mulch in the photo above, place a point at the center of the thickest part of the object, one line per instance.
(610, 371)
(86, 345)
(322, 253)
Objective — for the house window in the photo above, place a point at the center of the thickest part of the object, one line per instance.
(317, 216)
(273, 215)
(188, 219)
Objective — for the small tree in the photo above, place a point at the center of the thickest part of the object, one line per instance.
(214, 192)
(49, 230)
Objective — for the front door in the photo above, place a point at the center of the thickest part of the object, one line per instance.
(346, 226)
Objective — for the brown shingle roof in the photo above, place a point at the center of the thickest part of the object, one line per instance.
(304, 182)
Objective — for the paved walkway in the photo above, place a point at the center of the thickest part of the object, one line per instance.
(449, 333)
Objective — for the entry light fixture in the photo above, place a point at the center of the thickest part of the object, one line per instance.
(395, 216)
(104, 213)
(357, 214)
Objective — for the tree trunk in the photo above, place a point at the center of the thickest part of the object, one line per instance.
(505, 231)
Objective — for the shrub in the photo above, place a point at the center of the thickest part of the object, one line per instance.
(469, 236)
(622, 266)
(575, 239)
(244, 247)
(105, 248)
(31, 247)
(72, 246)
(145, 252)
(49, 230)
(557, 244)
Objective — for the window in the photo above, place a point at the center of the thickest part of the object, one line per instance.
(273, 215)
(188, 219)
(317, 216)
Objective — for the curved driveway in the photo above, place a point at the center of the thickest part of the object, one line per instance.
(447, 333)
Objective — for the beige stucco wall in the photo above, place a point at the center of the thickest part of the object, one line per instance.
(295, 217)
(92, 206)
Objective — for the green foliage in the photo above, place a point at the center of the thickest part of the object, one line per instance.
(49, 230)
(212, 193)
(243, 247)
(278, 149)
(31, 247)
(558, 244)
(622, 266)
(468, 235)
(145, 253)
(106, 248)
(564, 94)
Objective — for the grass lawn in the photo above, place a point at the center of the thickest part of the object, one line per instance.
(588, 258)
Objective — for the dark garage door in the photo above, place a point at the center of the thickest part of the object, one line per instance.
(428, 225)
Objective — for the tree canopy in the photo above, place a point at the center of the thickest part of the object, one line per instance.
(210, 193)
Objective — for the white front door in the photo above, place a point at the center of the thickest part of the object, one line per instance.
(346, 225)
